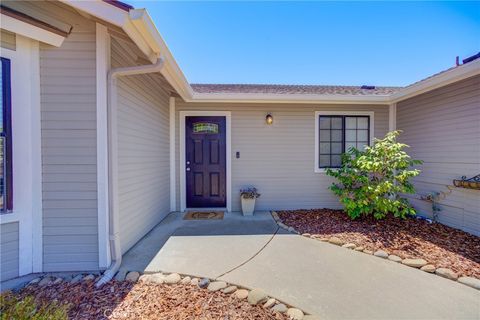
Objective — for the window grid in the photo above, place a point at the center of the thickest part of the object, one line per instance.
(334, 158)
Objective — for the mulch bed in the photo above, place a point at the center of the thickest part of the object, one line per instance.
(127, 300)
(438, 244)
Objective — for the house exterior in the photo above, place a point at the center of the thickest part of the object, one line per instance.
(103, 136)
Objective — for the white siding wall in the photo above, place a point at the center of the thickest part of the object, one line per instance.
(9, 251)
(278, 159)
(443, 129)
(143, 155)
(68, 111)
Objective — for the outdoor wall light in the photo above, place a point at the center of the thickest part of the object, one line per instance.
(269, 119)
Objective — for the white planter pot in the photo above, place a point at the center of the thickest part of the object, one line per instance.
(248, 206)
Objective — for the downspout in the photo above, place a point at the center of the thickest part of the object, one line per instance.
(114, 236)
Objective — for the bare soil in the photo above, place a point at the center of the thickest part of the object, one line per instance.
(126, 300)
(438, 244)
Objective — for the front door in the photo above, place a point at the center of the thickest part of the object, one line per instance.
(205, 158)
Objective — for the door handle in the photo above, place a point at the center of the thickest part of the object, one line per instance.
(188, 169)
(188, 162)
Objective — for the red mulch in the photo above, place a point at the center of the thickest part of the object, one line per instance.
(438, 244)
(127, 300)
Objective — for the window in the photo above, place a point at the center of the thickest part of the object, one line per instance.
(6, 199)
(336, 134)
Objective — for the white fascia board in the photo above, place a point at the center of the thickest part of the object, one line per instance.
(289, 98)
(462, 72)
(30, 31)
(100, 10)
(172, 72)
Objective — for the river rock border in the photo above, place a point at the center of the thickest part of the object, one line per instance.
(253, 296)
(414, 263)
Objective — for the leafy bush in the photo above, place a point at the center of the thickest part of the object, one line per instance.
(370, 181)
(13, 307)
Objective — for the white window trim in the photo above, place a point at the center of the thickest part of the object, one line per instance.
(183, 191)
(339, 113)
(26, 153)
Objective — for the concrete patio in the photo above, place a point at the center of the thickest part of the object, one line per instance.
(320, 278)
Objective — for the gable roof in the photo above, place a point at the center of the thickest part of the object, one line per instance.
(138, 25)
(291, 89)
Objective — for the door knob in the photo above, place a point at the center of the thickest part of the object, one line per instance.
(188, 169)
(188, 162)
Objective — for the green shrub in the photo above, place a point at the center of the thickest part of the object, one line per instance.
(12, 307)
(370, 181)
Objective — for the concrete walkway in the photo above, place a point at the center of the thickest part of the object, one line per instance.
(320, 278)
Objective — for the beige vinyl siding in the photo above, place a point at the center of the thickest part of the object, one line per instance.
(8, 40)
(278, 159)
(68, 122)
(442, 128)
(9, 251)
(143, 151)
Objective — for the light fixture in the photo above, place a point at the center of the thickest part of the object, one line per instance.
(269, 119)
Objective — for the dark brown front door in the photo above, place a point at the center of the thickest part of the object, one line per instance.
(205, 161)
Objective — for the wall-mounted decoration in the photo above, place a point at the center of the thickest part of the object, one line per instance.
(472, 183)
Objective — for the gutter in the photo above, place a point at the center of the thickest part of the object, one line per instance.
(113, 214)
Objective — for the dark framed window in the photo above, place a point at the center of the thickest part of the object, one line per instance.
(6, 183)
(337, 134)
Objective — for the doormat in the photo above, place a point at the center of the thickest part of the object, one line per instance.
(203, 215)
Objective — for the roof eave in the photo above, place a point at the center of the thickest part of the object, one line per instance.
(448, 77)
(288, 98)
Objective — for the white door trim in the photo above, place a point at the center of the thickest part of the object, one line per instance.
(183, 184)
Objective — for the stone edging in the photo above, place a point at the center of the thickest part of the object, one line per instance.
(253, 296)
(414, 263)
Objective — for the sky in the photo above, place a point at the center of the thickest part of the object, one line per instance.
(336, 43)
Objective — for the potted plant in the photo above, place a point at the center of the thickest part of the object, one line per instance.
(248, 196)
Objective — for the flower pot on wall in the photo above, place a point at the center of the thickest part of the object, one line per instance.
(248, 206)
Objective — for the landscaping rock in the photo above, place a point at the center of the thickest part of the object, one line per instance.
(241, 294)
(256, 296)
(415, 263)
(194, 282)
(280, 308)
(157, 278)
(35, 281)
(145, 278)
(381, 254)
(76, 279)
(349, 246)
(270, 302)
(336, 241)
(45, 282)
(89, 277)
(359, 248)
(394, 258)
(306, 235)
(132, 276)
(368, 251)
(446, 273)
(428, 268)
(230, 289)
(172, 278)
(204, 283)
(471, 282)
(295, 314)
(58, 280)
(186, 280)
(217, 285)
(323, 239)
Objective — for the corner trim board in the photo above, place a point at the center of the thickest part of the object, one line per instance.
(173, 190)
(102, 67)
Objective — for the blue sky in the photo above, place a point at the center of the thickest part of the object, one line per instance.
(343, 43)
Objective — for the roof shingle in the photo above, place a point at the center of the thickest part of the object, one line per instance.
(290, 89)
